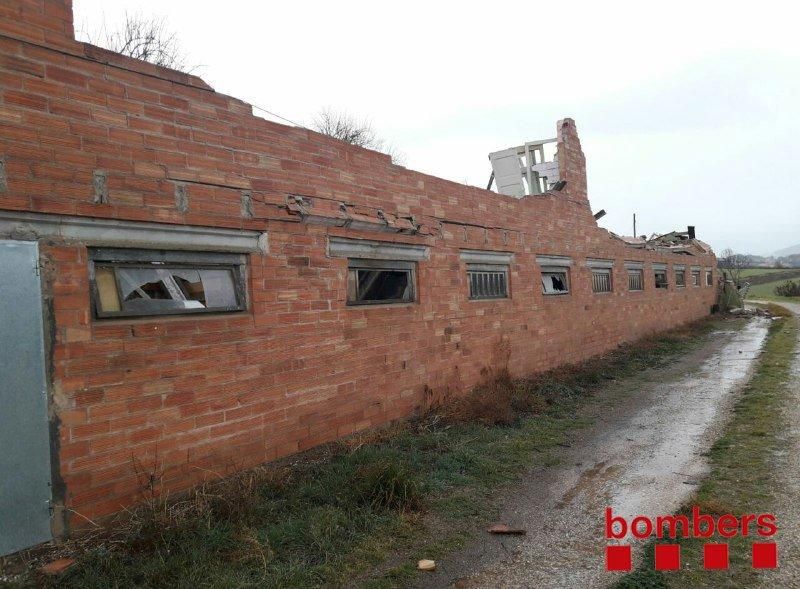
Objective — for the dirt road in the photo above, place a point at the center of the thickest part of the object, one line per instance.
(643, 455)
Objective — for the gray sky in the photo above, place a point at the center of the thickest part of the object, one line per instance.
(689, 112)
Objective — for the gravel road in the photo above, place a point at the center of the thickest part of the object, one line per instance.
(641, 456)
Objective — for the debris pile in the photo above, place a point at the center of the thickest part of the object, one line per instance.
(753, 312)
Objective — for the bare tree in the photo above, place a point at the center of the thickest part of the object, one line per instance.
(349, 129)
(144, 38)
(733, 264)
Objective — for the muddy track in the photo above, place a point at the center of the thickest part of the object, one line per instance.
(642, 455)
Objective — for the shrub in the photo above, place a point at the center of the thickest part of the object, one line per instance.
(790, 288)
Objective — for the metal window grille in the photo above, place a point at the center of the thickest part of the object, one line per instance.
(696, 277)
(487, 282)
(601, 281)
(680, 278)
(635, 280)
(661, 279)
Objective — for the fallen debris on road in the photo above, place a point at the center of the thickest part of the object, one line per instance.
(504, 529)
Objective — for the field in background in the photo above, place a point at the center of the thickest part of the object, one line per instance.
(766, 290)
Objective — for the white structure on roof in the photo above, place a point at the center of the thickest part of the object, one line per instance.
(523, 170)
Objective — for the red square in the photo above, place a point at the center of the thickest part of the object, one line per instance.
(765, 555)
(715, 556)
(618, 558)
(668, 557)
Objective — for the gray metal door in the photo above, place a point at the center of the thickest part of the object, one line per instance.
(24, 431)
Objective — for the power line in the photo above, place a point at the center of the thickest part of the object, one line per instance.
(269, 112)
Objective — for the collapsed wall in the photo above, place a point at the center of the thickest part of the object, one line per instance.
(114, 165)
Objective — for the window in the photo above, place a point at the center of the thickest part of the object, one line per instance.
(680, 278)
(601, 280)
(661, 279)
(709, 278)
(695, 277)
(555, 281)
(372, 282)
(487, 281)
(128, 283)
(635, 279)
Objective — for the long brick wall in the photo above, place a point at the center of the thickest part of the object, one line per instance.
(190, 397)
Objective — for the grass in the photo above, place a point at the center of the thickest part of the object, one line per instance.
(746, 272)
(767, 292)
(361, 511)
(741, 478)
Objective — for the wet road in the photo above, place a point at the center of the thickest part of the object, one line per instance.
(642, 456)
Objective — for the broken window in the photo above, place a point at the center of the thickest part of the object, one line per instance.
(680, 278)
(372, 282)
(635, 279)
(709, 278)
(148, 282)
(695, 277)
(601, 280)
(661, 278)
(487, 281)
(555, 281)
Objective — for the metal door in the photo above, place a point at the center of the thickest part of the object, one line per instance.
(24, 431)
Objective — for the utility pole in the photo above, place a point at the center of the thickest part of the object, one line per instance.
(634, 225)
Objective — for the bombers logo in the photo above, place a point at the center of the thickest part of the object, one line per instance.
(698, 525)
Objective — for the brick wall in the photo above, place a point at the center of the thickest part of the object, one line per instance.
(190, 397)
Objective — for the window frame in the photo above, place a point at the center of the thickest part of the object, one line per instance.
(709, 278)
(638, 272)
(697, 274)
(494, 268)
(682, 273)
(555, 270)
(159, 258)
(665, 272)
(356, 264)
(603, 272)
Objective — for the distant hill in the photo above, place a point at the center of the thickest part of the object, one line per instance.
(788, 251)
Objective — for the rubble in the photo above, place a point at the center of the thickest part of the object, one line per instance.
(753, 312)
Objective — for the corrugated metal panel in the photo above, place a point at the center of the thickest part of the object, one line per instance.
(24, 434)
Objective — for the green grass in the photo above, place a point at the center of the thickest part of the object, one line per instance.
(767, 292)
(742, 471)
(364, 510)
(761, 271)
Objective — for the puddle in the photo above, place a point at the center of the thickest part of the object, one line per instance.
(672, 435)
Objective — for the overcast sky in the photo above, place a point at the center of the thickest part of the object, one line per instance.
(689, 112)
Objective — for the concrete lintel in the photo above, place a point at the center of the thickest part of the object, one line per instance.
(678, 267)
(558, 261)
(658, 266)
(486, 257)
(342, 247)
(634, 265)
(138, 234)
(599, 263)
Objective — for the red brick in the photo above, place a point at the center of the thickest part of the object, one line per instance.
(299, 367)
